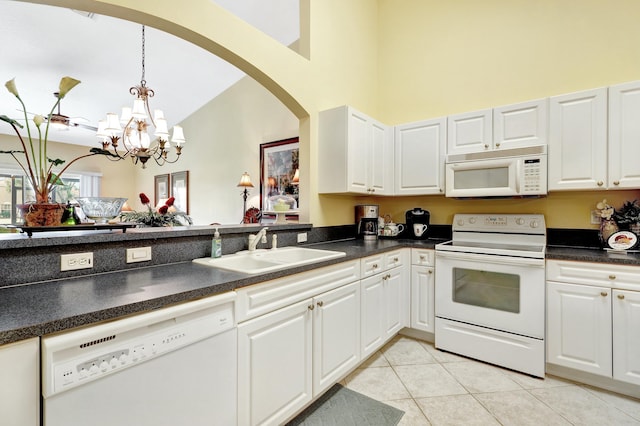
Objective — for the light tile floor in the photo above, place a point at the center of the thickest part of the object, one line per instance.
(439, 388)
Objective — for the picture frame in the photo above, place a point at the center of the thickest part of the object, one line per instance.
(279, 161)
(161, 188)
(180, 191)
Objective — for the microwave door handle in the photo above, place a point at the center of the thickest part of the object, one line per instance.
(518, 176)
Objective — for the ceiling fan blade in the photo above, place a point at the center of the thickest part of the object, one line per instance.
(83, 126)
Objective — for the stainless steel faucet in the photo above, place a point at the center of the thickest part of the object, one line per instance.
(254, 239)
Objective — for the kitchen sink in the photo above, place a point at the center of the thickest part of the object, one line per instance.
(262, 261)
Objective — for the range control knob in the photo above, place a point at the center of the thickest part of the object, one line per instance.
(84, 372)
(114, 362)
(94, 369)
(472, 220)
(460, 222)
(104, 366)
(520, 221)
(534, 224)
(123, 359)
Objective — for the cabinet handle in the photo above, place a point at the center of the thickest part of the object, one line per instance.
(388, 276)
(430, 271)
(600, 183)
(498, 145)
(612, 277)
(604, 294)
(374, 266)
(621, 296)
(395, 259)
(423, 258)
(486, 146)
(616, 182)
(320, 303)
(310, 307)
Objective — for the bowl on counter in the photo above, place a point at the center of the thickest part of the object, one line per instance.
(101, 209)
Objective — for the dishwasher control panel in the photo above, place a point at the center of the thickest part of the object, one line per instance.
(79, 357)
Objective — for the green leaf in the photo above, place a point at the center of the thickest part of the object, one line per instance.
(56, 162)
(11, 121)
(102, 152)
(55, 179)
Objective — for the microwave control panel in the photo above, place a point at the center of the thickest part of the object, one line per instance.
(533, 176)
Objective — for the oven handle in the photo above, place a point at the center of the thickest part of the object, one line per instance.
(489, 258)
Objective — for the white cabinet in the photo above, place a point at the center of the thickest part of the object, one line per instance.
(336, 335)
(624, 134)
(20, 383)
(578, 140)
(626, 339)
(419, 157)
(384, 298)
(297, 336)
(469, 132)
(522, 124)
(274, 365)
(355, 153)
(422, 290)
(593, 317)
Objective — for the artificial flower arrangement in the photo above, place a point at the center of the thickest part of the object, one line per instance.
(613, 220)
(33, 159)
(165, 215)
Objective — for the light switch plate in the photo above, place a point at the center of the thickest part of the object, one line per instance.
(138, 254)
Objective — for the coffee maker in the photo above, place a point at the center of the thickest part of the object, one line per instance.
(367, 221)
(417, 223)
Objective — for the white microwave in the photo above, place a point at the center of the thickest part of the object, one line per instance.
(517, 172)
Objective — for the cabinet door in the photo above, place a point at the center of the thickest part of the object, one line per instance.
(20, 383)
(579, 327)
(395, 301)
(419, 157)
(624, 134)
(372, 312)
(578, 140)
(626, 336)
(422, 298)
(380, 159)
(358, 146)
(274, 365)
(469, 132)
(520, 125)
(336, 335)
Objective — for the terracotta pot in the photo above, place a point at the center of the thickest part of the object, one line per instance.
(42, 214)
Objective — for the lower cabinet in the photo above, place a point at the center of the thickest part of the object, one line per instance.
(20, 383)
(593, 318)
(289, 356)
(422, 290)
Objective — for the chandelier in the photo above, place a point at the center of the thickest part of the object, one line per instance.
(132, 129)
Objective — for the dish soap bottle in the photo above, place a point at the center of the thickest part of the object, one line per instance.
(216, 245)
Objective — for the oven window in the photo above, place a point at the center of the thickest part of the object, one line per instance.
(493, 290)
(481, 178)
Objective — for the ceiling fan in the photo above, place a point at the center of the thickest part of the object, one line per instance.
(63, 122)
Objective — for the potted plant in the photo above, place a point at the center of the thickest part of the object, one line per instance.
(628, 216)
(165, 215)
(34, 161)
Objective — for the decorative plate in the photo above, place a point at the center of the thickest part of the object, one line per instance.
(622, 240)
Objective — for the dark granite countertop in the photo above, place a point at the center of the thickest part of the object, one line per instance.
(37, 309)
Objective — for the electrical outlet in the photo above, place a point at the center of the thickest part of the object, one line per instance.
(595, 217)
(302, 237)
(71, 262)
(138, 254)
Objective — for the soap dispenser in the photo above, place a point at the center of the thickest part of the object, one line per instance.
(216, 245)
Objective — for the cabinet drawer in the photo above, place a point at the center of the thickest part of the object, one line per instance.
(422, 257)
(395, 258)
(266, 297)
(371, 265)
(595, 274)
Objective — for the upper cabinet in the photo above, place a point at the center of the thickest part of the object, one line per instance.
(355, 153)
(578, 140)
(522, 124)
(469, 132)
(510, 126)
(419, 157)
(624, 136)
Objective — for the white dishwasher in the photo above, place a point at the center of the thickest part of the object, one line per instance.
(173, 366)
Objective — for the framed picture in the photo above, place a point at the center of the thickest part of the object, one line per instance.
(161, 191)
(180, 190)
(279, 166)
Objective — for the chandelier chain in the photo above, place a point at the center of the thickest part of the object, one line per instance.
(143, 57)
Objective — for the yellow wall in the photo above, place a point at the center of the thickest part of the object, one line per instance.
(404, 60)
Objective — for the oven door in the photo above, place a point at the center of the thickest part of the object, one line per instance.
(498, 292)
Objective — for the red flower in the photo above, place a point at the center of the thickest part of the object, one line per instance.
(170, 201)
(163, 209)
(143, 198)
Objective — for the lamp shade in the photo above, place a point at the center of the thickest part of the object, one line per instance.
(138, 112)
(178, 135)
(113, 125)
(245, 181)
(161, 129)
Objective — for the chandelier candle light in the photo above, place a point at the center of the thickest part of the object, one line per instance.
(134, 134)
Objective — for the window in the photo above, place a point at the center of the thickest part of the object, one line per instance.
(15, 190)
